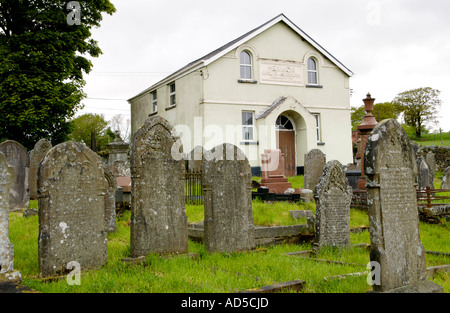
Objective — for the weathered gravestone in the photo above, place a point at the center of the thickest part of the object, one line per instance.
(110, 200)
(71, 191)
(425, 176)
(6, 247)
(158, 213)
(445, 181)
(390, 166)
(36, 155)
(315, 160)
(118, 156)
(333, 196)
(17, 157)
(227, 184)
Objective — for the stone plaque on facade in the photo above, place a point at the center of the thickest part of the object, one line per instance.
(17, 157)
(333, 196)
(158, 212)
(227, 184)
(315, 160)
(6, 247)
(71, 191)
(36, 155)
(280, 72)
(390, 166)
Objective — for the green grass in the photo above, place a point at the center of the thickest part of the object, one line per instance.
(433, 139)
(219, 272)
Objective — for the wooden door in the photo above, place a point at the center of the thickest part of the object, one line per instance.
(286, 143)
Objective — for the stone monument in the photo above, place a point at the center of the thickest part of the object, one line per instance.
(36, 155)
(6, 247)
(315, 160)
(71, 191)
(273, 171)
(158, 210)
(333, 196)
(390, 168)
(227, 185)
(17, 157)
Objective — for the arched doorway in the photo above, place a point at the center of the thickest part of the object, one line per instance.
(285, 134)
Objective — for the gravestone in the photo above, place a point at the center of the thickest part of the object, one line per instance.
(390, 168)
(110, 200)
(17, 157)
(273, 171)
(425, 177)
(6, 247)
(431, 161)
(227, 184)
(333, 196)
(71, 192)
(118, 156)
(158, 213)
(36, 155)
(445, 181)
(315, 160)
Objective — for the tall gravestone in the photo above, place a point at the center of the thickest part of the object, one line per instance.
(227, 184)
(17, 157)
(390, 168)
(71, 191)
(425, 176)
(36, 155)
(315, 160)
(110, 200)
(6, 247)
(118, 156)
(445, 181)
(158, 212)
(333, 196)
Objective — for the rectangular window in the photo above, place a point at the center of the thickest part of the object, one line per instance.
(172, 100)
(318, 135)
(248, 126)
(154, 102)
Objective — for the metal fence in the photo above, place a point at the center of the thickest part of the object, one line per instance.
(193, 188)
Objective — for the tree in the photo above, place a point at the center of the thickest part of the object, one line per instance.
(42, 62)
(92, 130)
(419, 106)
(381, 111)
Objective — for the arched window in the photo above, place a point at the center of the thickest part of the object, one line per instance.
(246, 65)
(312, 72)
(283, 123)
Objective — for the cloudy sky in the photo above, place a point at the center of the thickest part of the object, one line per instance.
(390, 45)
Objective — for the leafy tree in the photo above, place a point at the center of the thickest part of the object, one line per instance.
(43, 56)
(357, 116)
(92, 130)
(381, 111)
(419, 106)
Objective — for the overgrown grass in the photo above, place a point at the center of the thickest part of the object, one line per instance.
(219, 272)
(432, 139)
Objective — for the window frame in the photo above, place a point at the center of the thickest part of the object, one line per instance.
(246, 127)
(246, 65)
(172, 95)
(317, 127)
(154, 101)
(312, 71)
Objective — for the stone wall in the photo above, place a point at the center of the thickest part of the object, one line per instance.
(442, 155)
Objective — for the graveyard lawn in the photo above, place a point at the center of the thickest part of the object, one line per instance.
(219, 272)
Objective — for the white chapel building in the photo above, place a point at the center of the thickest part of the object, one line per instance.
(273, 87)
